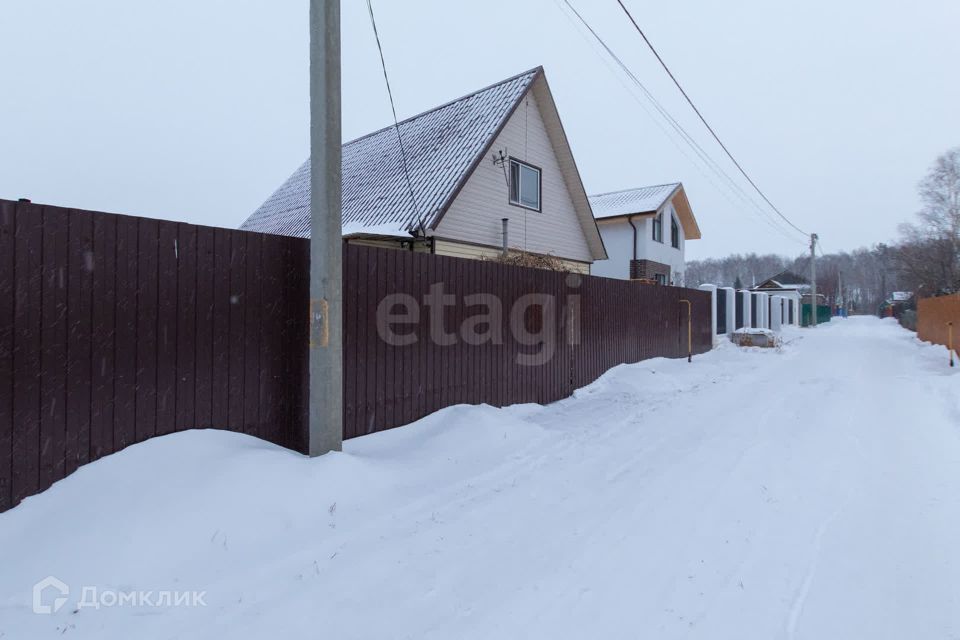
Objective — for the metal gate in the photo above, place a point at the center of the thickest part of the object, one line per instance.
(721, 311)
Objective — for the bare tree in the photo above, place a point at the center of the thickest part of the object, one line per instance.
(928, 257)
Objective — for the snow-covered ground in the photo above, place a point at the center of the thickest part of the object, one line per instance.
(812, 492)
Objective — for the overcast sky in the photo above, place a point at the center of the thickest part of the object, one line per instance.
(197, 110)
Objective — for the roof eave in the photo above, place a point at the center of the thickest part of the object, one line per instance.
(691, 230)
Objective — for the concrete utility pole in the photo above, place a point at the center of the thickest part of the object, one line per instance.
(813, 279)
(326, 243)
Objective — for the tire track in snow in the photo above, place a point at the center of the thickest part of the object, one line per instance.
(796, 609)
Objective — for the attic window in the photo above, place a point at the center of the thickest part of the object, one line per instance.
(524, 185)
(658, 227)
(674, 233)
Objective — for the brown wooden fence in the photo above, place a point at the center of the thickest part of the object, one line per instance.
(115, 329)
(933, 314)
(542, 348)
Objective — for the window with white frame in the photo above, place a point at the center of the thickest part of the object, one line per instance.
(658, 227)
(524, 185)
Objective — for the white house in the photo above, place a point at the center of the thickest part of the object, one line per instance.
(790, 288)
(645, 232)
(490, 167)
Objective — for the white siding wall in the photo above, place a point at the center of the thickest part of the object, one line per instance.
(476, 213)
(663, 252)
(618, 238)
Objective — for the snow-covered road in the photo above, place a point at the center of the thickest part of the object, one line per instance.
(808, 493)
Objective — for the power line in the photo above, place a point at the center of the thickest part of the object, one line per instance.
(709, 162)
(396, 122)
(704, 120)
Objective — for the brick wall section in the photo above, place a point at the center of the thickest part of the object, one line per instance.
(648, 269)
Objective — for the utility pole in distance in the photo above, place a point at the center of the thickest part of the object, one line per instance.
(326, 316)
(813, 279)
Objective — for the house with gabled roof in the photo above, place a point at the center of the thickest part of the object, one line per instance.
(645, 231)
(490, 167)
(790, 287)
(784, 282)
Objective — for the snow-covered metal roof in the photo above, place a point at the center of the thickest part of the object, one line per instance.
(631, 201)
(785, 280)
(442, 146)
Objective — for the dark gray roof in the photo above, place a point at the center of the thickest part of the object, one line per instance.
(442, 146)
(784, 279)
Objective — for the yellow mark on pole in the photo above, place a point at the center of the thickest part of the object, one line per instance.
(319, 325)
(689, 331)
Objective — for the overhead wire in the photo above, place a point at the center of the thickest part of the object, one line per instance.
(704, 157)
(396, 122)
(704, 120)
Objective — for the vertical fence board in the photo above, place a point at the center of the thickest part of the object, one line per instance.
(301, 315)
(252, 310)
(349, 340)
(430, 367)
(236, 338)
(419, 369)
(441, 354)
(204, 301)
(185, 413)
(380, 356)
(79, 339)
(222, 331)
(357, 354)
(125, 354)
(53, 340)
(389, 351)
(474, 368)
(410, 367)
(147, 292)
(7, 289)
(168, 259)
(28, 266)
(406, 361)
(369, 347)
(296, 364)
(271, 348)
(104, 309)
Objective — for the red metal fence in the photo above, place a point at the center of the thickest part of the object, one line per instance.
(115, 329)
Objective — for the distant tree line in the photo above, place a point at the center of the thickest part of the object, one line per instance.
(925, 260)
